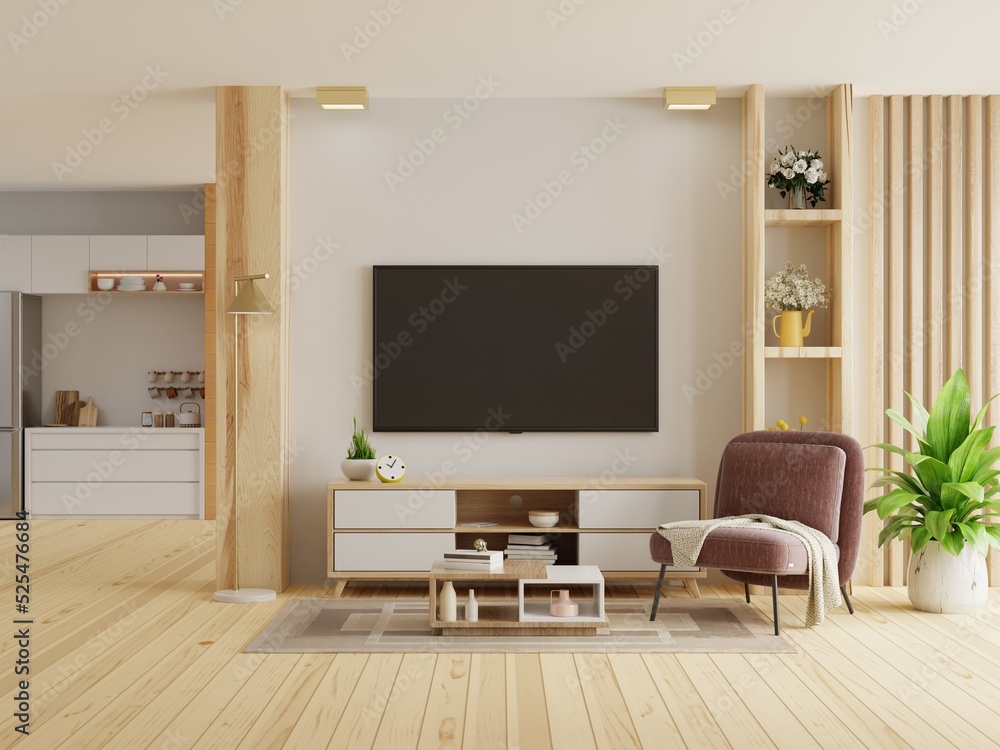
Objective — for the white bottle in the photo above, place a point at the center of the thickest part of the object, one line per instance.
(448, 603)
(471, 607)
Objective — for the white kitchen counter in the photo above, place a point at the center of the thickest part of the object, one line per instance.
(115, 472)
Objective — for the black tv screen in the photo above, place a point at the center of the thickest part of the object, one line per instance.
(515, 348)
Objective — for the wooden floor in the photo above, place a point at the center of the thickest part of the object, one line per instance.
(130, 651)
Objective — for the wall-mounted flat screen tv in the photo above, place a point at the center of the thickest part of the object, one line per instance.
(515, 348)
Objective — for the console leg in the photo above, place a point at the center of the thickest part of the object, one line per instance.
(339, 588)
(746, 591)
(692, 587)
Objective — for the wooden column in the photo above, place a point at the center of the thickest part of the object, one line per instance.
(251, 238)
(208, 415)
(753, 258)
(991, 276)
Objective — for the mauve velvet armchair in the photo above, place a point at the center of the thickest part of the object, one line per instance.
(816, 478)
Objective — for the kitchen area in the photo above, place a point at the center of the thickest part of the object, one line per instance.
(103, 378)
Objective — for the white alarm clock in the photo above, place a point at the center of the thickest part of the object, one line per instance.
(390, 468)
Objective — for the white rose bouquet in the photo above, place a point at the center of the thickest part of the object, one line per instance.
(792, 289)
(798, 169)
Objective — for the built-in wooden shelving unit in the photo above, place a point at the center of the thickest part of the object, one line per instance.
(836, 218)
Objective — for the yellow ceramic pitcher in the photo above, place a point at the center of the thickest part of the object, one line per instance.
(792, 331)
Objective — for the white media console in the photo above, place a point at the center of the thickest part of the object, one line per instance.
(397, 531)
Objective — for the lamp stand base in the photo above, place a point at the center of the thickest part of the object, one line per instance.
(244, 596)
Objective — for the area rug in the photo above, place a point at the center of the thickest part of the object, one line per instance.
(401, 626)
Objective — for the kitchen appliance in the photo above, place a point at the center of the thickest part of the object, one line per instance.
(21, 363)
(189, 418)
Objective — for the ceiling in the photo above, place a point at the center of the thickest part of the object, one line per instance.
(67, 68)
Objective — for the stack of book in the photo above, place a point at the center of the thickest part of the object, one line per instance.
(469, 559)
(531, 547)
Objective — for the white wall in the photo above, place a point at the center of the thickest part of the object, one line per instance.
(103, 346)
(655, 185)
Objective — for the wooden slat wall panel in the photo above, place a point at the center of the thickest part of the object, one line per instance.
(935, 307)
(915, 253)
(973, 279)
(991, 272)
(753, 258)
(934, 260)
(953, 239)
(876, 123)
(895, 278)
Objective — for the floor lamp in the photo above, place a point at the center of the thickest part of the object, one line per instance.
(248, 301)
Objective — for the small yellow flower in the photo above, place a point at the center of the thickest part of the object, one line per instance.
(772, 427)
(782, 424)
(802, 423)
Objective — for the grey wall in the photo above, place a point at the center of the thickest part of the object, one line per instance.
(95, 212)
(654, 186)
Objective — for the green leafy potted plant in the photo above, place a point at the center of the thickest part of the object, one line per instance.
(945, 507)
(360, 462)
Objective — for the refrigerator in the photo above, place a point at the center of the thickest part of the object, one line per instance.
(22, 360)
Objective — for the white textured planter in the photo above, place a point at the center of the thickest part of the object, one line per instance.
(358, 469)
(942, 582)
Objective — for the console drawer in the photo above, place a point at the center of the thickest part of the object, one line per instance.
(394, 509)
(618, 551)
(391, 551)
(636, 509)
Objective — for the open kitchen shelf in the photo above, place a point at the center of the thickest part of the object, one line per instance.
(170, 278)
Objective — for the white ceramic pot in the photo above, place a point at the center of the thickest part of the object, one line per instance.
(358, 469)
(941, 582)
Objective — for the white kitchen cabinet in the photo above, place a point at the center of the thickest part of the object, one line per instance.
(118, 252)
(114, 472)
(59, 263)
(15, 263)
(175, 252)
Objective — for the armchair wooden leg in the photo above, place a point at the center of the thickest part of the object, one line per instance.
(847, 599)
(656, 596)
(746, 591)
(774, 596)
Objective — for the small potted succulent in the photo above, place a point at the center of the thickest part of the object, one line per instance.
(360, 462)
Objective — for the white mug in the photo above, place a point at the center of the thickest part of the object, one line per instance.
(168, 377)
(185, 377)
(154, 392)
(152, 376)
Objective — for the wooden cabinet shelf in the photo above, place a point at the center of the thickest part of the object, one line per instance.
(171, 278)
(802, 352)
(809, 217)
(837, 358)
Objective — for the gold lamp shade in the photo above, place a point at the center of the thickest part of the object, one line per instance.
(250, 300)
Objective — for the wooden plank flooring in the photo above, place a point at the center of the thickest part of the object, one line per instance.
(130, 651)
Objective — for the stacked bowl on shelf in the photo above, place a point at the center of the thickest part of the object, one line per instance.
(132, 284)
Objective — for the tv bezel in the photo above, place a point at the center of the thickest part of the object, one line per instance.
(472, 428)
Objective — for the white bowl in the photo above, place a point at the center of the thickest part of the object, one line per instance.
(105, 285)
(186, 286)
(543, 519)
(132, 280)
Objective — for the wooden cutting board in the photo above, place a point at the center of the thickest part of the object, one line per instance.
(88, 414)
(66, 407)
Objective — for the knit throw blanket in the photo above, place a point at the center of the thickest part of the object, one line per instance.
(687, 537)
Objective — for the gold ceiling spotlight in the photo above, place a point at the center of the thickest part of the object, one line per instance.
(688, 97)
(342, 97)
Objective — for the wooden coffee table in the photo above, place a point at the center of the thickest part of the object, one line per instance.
(523, 617)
